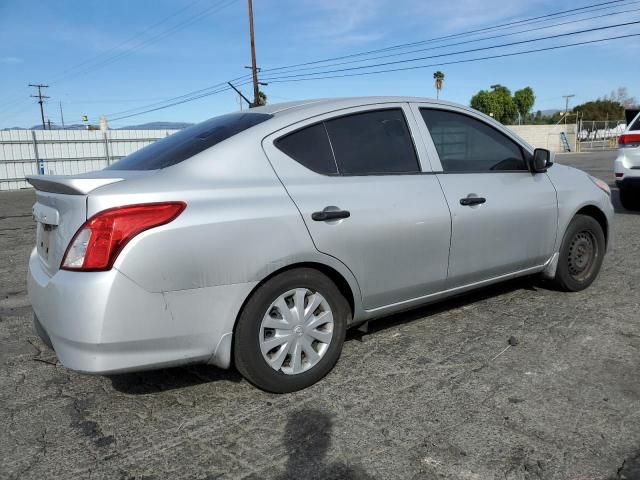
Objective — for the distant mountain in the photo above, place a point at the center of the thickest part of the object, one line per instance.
(550, 112)
(144, 126)
(158, 126)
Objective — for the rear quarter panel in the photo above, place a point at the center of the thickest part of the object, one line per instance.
(239, 225)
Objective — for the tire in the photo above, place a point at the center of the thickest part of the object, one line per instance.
(290, 365)
(630, 198)
(581, 254)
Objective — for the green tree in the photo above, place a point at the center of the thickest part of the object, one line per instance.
(524, 100)
(262, 98)
(600, 110)
(497, 103)
(439, 78)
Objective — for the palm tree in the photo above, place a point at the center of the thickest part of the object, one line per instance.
(439, 78)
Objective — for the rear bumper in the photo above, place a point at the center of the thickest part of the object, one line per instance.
(103, 322)
(627, 167)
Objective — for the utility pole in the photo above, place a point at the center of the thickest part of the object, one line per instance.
(254, 69)
(566, 105)
(61, 116)
(40, 98)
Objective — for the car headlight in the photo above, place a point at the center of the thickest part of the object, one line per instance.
(602, 185)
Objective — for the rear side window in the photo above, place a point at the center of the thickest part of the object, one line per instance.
(188, 142)
(368, 143)
(465, 144)
(310, 147)
(375, 142)
(635, 125)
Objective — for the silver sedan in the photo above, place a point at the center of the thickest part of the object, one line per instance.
(258, 238)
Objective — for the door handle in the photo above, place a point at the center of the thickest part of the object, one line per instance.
(325, 215)
(468, 201)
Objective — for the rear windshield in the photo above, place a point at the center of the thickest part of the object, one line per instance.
(635, 125)
(186, 143)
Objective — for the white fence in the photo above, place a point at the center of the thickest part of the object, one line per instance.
(65, 152)
(600, 135)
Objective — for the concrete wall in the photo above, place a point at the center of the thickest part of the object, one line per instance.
(546, 136)
(65, 152)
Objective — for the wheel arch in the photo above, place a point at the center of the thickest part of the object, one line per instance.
(599, 216)
(346, 288)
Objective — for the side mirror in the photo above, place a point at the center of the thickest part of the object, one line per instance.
(542, 159)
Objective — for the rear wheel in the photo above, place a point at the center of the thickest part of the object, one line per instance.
(581, 254)
(630, 198)
(291, 331)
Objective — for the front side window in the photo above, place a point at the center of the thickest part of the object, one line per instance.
(465, 144)
(186, 143)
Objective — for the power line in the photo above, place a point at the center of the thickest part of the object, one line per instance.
(454, 62)
(191, 20)
(475, 40)
(445, 37)
(208, 11)
(242, 78)
(115, 47)
(459, 52)
(128, 40)
(413, 67)
(171, 105)
(218, 88)
(69, 73)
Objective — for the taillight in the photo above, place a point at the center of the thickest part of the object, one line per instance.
(98, 242)
(629, 140)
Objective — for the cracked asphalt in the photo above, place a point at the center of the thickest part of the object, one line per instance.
(433, 393)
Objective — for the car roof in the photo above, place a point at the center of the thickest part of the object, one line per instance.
(287, 113)
(298, 107)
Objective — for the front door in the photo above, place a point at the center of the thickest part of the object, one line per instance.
(504, 218)
(356, 178)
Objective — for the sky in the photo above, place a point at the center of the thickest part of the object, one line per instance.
(108, 57)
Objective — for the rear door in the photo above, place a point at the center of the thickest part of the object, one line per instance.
(367, 199)
(504, 218)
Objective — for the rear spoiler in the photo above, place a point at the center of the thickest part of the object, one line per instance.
(68, 184)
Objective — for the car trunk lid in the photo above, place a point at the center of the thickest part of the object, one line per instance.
(60, 210)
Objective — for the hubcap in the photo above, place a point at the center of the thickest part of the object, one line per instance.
(296, 331)
(582, 253)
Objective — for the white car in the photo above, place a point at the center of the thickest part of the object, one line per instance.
(627, 165)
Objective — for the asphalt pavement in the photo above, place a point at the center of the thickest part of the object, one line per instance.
(436, 392)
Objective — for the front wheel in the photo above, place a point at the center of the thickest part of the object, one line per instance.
(291, 331)
(581, 254)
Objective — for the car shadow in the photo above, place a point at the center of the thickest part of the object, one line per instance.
(461, 300)
(162, 380)
(166, 379)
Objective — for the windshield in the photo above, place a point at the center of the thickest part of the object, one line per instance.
(186, 143)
